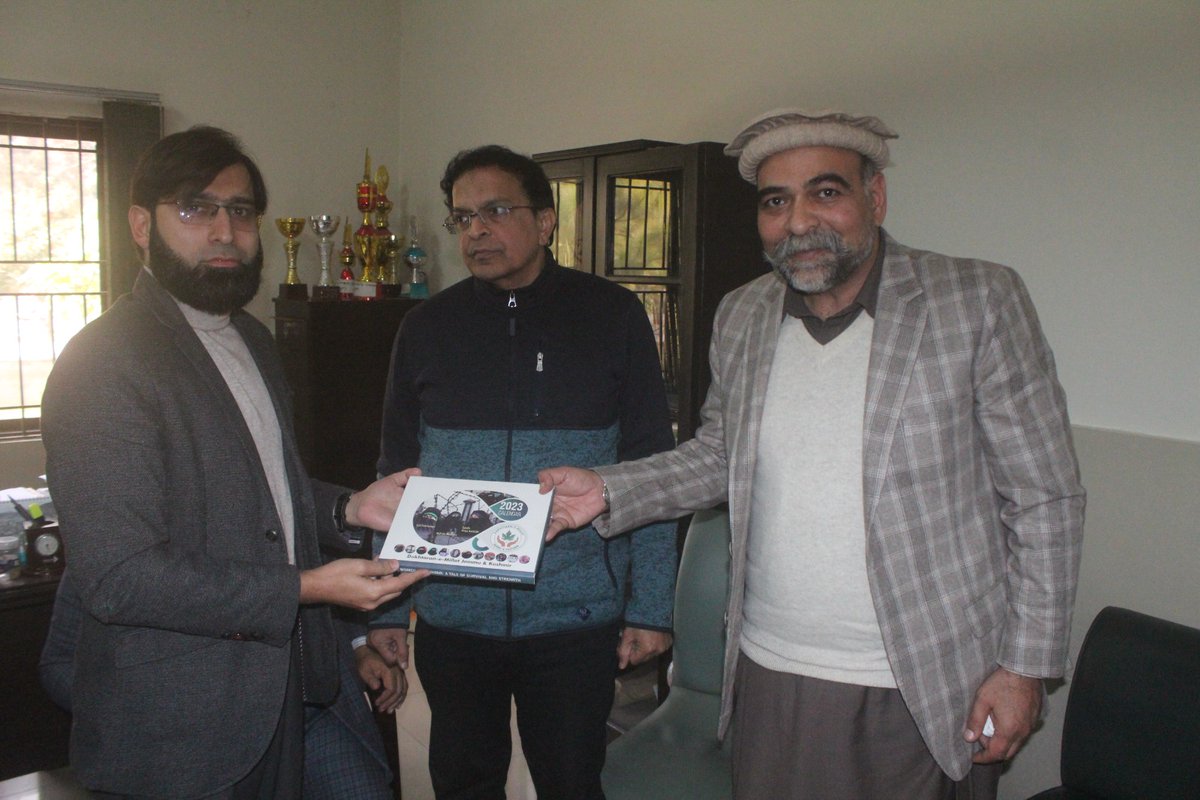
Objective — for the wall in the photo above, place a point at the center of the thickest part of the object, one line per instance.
(1058, 137)
(1055, 137)
(306, 86)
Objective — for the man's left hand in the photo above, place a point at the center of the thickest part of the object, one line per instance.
(375, 505)
(638, 645)
(1014, 703)
(388, 684)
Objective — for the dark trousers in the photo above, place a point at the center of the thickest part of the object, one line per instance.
(343, 753)
(563, 688)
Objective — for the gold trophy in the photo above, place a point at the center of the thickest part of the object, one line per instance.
(387, 244)
(291, 227)
(393, 246)
(382, 207)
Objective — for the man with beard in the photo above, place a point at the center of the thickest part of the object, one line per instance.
(889, 432)
(192, 525)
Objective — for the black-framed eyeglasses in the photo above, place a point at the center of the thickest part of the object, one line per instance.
(460, 221)
(242, 216)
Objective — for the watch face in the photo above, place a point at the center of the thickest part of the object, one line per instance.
(46, 545)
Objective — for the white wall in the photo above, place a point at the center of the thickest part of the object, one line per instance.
(1058, 137)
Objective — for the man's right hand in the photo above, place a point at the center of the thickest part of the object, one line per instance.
(392, 644)
(356, 583)
(578, 497)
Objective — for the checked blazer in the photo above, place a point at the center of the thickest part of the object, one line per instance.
(972, 500)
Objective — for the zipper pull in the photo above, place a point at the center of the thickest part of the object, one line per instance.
(512, 299)
(539, 363)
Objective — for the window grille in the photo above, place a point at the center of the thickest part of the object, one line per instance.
(50, 263)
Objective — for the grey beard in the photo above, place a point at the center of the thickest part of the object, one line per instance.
(817, 276)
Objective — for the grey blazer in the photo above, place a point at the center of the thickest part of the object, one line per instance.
(972, 500)
(177, 553)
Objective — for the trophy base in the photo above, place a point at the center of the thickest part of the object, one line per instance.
(322, 293)
(293, 291)
(391, 290)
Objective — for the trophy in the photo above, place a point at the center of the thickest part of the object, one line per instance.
(416, 258)
(346, 281)
(386, 269)
(364, 237)
(393, 247)
(291, 288)
(364, 246)
(325, 226)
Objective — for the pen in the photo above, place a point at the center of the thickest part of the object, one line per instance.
(21, 510)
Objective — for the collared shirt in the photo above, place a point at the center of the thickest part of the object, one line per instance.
(826, 330)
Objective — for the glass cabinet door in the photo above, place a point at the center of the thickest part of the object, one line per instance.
(570, 183)
(675, 224)
(640, 232)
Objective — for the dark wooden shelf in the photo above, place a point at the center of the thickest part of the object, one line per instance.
(336, 356)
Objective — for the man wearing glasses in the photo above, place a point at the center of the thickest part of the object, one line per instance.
(192, 525)
(519, 366)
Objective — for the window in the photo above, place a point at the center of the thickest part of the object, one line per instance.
(50, 254)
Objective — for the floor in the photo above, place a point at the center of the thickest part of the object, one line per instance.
(635, 699)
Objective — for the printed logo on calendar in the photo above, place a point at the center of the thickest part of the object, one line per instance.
(508, 537)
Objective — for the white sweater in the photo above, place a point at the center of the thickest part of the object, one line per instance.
(808, 608)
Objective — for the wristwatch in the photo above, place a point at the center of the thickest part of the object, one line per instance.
(354, 533)
(604, 493)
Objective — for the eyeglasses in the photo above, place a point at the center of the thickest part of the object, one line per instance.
(242, 216)
(460, 221)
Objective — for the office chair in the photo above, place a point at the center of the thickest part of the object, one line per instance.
(1132, 727)
(674, 753)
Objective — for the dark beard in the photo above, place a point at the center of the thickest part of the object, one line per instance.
(205, 288)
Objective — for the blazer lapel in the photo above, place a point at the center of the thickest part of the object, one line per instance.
(899, 324)
(764, 312)
(192, 349)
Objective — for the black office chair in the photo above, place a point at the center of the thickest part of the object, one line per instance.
(1132, 728)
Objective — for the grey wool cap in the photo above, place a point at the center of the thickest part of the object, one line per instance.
(786, 128)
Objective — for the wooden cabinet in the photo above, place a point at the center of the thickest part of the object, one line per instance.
(336, 356)
(35, 731)
(675, 224)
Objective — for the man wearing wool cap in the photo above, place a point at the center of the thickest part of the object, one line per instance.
(889, 432)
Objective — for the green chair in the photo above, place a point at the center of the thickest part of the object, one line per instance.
(674, 753)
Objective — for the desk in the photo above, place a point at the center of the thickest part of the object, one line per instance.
(33, 731)
(57, 784)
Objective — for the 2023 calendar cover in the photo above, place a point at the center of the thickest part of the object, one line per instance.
(482, 530)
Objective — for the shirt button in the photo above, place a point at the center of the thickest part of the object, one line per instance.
(272, 535)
